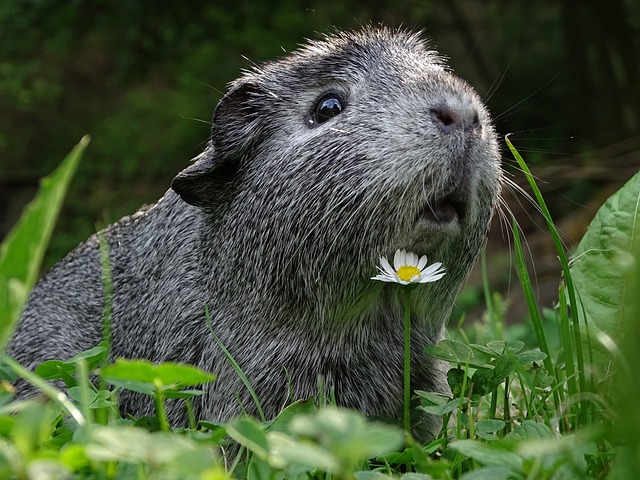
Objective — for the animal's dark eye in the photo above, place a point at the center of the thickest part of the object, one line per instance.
(327, 108)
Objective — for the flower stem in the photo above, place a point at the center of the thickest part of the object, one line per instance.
(407, 359)
(160, 409)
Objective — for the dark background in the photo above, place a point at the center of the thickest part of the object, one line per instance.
(143, 77)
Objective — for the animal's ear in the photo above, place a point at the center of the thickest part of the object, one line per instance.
(235, 130)
(204, 182)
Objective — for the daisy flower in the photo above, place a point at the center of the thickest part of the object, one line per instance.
(408, 268)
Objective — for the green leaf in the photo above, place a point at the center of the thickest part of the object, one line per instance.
(134, 374)
(487, 454)
(502, 346)
(33, 427)
(179, 453)
(186, 375)
(94, 357)
(491, 473)
(602, 266)
(484, 381)
(288, 451)
(416, 476)
(284, 418)
(369, 475)
(435, 403)
(249, 433)
(457, 379)
(530, 430)
(450, 350)
(503, 367)
(133, 385)
(347, 434)
(490, 426)
(22, 251)
(65, 371)
(57, 370)
(531, 356)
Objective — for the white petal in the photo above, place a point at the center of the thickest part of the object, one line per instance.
(431, 268)
(398, 258)
(383, 278)
(387, 268)
(414, 279)
(432, 278)
(422, 262)
(409, 258)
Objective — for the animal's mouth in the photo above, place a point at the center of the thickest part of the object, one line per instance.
(444, 210)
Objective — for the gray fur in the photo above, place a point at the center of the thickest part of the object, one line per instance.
(278, 226)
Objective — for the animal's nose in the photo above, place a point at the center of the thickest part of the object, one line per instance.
(455, 114)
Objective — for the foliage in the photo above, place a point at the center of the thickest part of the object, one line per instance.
(517, 409)
(603, 269)
(22, 251)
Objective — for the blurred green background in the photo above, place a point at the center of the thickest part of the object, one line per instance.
(143, 77)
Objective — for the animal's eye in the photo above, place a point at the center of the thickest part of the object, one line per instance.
(327, 108)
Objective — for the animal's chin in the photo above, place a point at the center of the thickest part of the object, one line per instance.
(444, 211)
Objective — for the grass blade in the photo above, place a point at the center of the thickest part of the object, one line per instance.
(525, 282)
(237, 368)
(24, 247)
(566, 274)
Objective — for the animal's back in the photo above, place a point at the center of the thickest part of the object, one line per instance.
(64, 314)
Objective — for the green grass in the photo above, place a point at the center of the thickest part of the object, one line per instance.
(528, 402)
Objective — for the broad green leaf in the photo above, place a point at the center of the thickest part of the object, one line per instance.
(73, 456)
(258, 469)
(601, 270)
(457, 379)
(487, 454)
(287, 451)
(503, 367)
(33, 427)
(541, 379)
(450, 350)
(47, 468)
(284, 418)
(94, 356)
(249, 433)
(433, 398)
(132, 370)
(530, 430)
(186, 375)
(179, 453)
(75, 393)
(133, 385)
(531, 356)
(501, 346)
(371, 476)
(24, 247)
(169, 375)
(490, 426)
(347, 434)
(435, 403)
(441, 409)
(56, 370)
(65, 371)
(491, 473)
(100, 399)
(484, 381)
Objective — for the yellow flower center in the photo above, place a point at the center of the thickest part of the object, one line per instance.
(407, 272)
